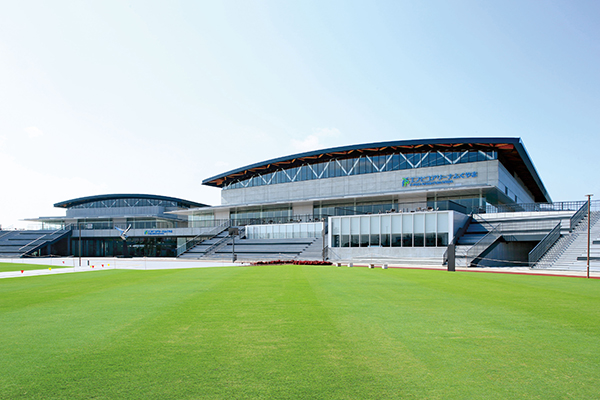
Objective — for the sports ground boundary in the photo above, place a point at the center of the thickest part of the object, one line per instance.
(70, 265)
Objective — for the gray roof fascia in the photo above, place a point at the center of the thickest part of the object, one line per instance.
(520, 146)
(101, 197)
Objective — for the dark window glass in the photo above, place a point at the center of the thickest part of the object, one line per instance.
(325, 170)
(403, 163)
(419, 239)
(385, 240)
(407, 240)
(336, 241)
(395, 162)
(425, 160)
(430, 240)
(442, 239)
(364, 240)
(374, 239)
(345, 241)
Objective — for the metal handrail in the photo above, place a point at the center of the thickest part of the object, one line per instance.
(456, 237)
(324, 253)
(64, 228)
(578, 216)
(540, 207)
(200, 238)
(485, 223)
(544, 245)
(7, 232)
(475, 251)
(215, 245)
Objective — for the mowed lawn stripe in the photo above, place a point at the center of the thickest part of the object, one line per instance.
(51, 331)
(298, 332)
(495, 335)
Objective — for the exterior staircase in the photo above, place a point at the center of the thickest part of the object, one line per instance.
(29, 243)
(313, 252)
(570, 251)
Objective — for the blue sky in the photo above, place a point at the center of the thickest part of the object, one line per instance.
(152, 97)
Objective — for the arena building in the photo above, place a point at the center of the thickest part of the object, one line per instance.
(390, 199)
(379, 177)
(398, 200)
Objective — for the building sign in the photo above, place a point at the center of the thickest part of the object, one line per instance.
(158, 232)
(437, 179)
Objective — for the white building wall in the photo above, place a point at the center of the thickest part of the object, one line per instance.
(221, 214)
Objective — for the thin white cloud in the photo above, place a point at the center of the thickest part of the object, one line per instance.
(315, 140)
(329, 132)
(34, 131)
(311, 142)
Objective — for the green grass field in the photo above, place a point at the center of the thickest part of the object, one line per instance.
(10, 267)
(299, 332)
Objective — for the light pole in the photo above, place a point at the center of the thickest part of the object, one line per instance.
(79, 229)
(589, 196)
(232, 233)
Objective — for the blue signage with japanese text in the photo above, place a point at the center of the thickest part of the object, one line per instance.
(153, 232)
(437, 179)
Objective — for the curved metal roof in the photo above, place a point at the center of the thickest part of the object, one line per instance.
(103, 197)
(511, 152)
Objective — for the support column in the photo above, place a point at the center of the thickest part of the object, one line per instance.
(451, 257)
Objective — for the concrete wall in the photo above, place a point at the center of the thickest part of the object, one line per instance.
(368, 184)
(221, 214)
(304, 208)
(514, 186)
(508, 254)
(396, 254)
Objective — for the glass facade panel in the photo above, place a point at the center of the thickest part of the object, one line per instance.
(374, 239)
(430, 223)
(374, 225)
(364, 225)
(364, 240)
(407, 240)
(420, 229)
(345, 226)
(442, 222)
(419, 239)
(385, 240)
(419, 223)
(340, 167)
(386, 224)
(286, 231)
(335, 241)
(430, 240)
(442, 239)
(345, 241)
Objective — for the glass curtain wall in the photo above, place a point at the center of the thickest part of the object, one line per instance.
(364, 165)
(427, 229)
(261, 215)
(285, 231)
